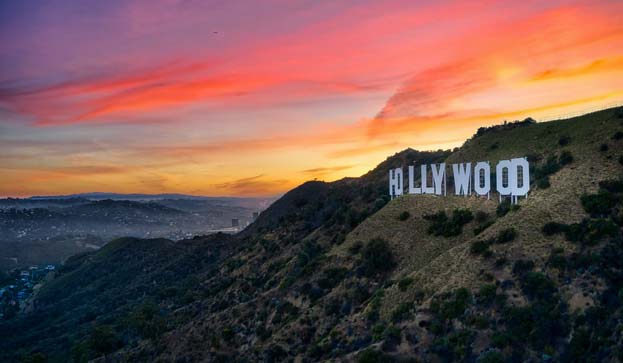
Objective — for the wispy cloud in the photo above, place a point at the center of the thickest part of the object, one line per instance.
(157, 96)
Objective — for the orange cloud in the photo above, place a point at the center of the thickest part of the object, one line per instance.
(255, 185)
(596, 66)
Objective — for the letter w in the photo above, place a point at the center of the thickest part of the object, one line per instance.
(462, 175)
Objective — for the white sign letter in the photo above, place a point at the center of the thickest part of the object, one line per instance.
(462, 175)
(395, 182)
(521, 163)
(499, 177)
(425, 189)
(412, 188)
(482, 178)
(438, 175)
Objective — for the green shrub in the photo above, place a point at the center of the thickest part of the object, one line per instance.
(372, 311)
(491, 356)
(506, 235)
(481, 216)
(478, 230)
(598, 204)
(441, 225)
(147, 321)
(373, 356)
(404, 216)
(537, 285)
(604, 147)
(550, 167)
(564, 140)
(591, 231)
(404, 283)
(522, 266)
(402, 312)
(503, 208)
(501, 262)
(355, 247)
(331, 277)
(377, 257)
(543, 183)
(612, 186)
(565, 158)
(104, 340)
(486, 293)
(453, 306)
(228, 334)
(551, 228)
(558, 261)
(391, 338)
(617, 135)
(479, 247)
(500, 340)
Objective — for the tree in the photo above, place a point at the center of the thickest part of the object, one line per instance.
(104, 340)
(377, 257)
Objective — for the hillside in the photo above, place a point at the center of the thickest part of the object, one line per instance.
(337, 272)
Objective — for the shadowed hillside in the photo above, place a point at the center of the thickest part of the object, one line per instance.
(337, 272)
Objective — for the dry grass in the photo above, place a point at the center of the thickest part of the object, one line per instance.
(438, 264)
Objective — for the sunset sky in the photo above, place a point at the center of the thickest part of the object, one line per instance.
(251, 98)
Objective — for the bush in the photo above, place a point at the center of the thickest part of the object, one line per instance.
(564, 140)
(491, 356)
(550, 166)
(479, 247)
(373, 356)
(104, 340)
(604, 147)
(522, 266)
(481, 216)
(402, 312)
(478, 230)
(443, 226)
(227, 334)
(537, 285)
(565, 158)
(558, 261)
(503, 208)
(506, 235)
(377, 257)
(612, 186)
(598, 204)
(355, 247)
(331, 277)
(404, 283)
(500, 340)
(590, 231)
(487, 293)
(617, 135)
(543, 183)
(551, 228)
(404, 216)
(454, 306)
(391, 338)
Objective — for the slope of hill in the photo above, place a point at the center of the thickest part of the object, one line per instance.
(336, 272)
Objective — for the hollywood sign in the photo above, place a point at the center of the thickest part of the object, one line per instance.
(512, 179)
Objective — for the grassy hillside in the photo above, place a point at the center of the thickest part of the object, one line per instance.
(337, 272)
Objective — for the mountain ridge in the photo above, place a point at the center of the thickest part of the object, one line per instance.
(336, 271)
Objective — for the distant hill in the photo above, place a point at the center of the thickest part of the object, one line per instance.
(338, 272)
(259, 203)
(43, 230)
